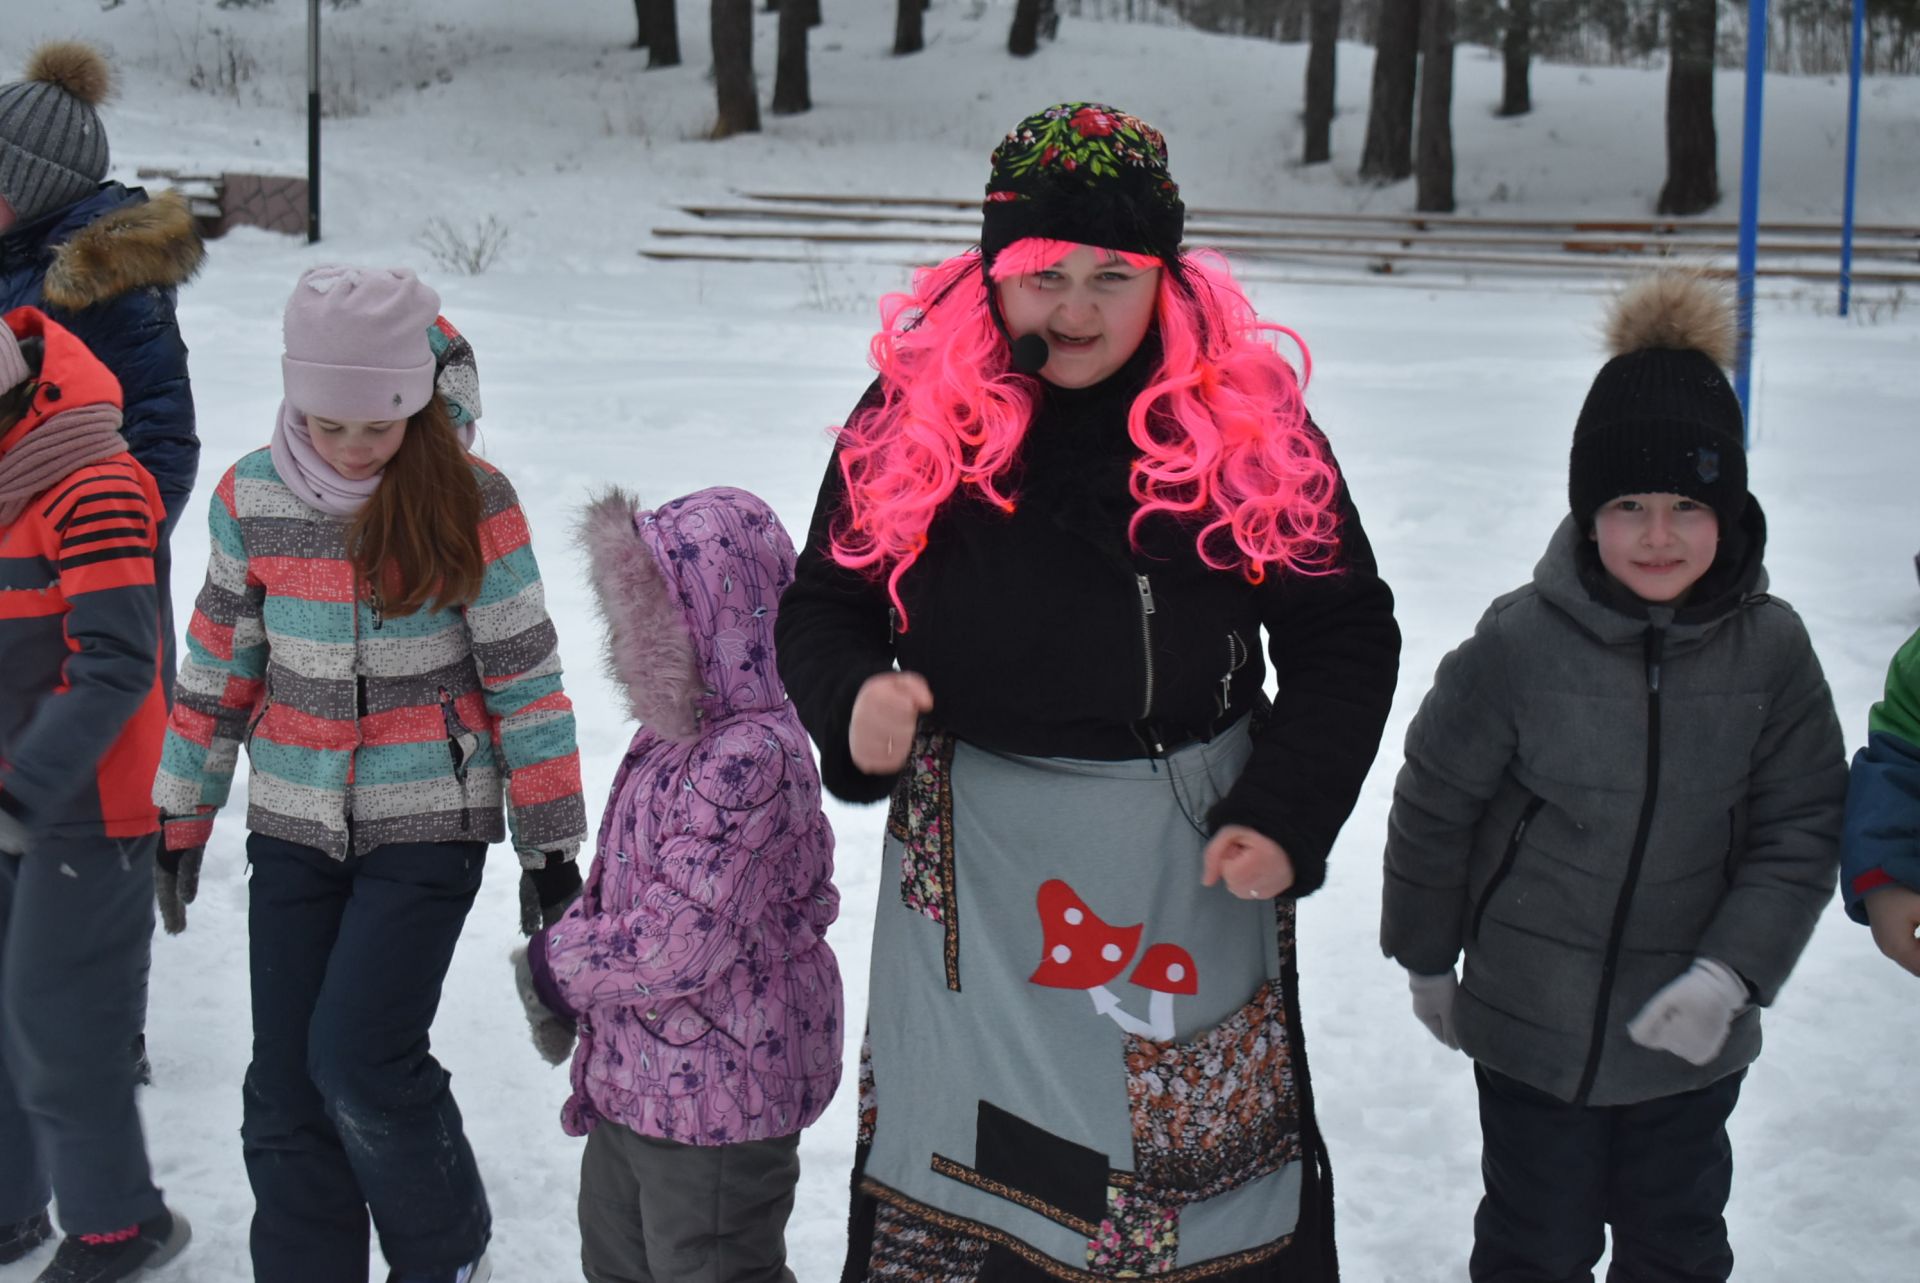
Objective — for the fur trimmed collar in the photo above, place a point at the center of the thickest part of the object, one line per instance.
(140, 245)
(649, 653)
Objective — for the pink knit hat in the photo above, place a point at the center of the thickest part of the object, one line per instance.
(357, 346)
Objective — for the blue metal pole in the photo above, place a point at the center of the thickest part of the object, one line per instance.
(1853, 151)
(1750, 201)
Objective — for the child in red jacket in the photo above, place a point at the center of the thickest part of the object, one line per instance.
(81, 719)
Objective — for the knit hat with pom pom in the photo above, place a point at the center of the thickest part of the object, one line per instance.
(1661, 417)
(53, 150)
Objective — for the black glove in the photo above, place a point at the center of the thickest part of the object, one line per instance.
(546, 892)
(176, 880)
(13, 834)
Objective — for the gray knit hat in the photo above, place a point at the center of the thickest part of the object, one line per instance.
(53, 149)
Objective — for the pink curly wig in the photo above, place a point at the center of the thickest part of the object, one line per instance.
(1220, 426)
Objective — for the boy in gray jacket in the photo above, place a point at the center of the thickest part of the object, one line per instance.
(1622, 800)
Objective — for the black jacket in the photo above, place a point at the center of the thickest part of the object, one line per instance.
(1034, 633)
(108, 268)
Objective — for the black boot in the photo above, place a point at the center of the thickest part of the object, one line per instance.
(111, 1258)
(21, 1237)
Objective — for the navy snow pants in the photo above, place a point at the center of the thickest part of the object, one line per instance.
(346, 1111)
(1658, 1172)
(76, 916)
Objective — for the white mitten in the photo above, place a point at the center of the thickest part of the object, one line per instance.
(1433, 1004)
(1692, 1016)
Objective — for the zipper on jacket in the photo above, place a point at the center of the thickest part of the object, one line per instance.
(266, 702)
(359, 711)
(1144, 730)
(1506, 864)
(1146, 641)
(462, 744)
(1237, 656)
(1656, 643)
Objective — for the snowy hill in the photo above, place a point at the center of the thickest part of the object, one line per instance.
(1451, 407)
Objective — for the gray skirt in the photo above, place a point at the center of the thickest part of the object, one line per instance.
(1080, 1063)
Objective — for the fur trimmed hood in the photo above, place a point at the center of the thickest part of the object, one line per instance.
(141, 244)
(688, 594)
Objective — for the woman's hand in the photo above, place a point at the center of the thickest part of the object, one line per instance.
(886, 713)
(1252, 864)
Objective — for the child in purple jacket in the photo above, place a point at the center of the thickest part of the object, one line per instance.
(694, 963)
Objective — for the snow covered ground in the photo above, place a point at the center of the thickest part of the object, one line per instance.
(1451, 404)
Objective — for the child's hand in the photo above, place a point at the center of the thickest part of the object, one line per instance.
(1692, 1016)
(886, 713)
(1252, 864)
(1433, 1004)
(1894, 914)
(13, 835)
(553, 1031)
(176, 880)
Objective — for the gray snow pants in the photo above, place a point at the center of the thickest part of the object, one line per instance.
(653, 1211)
(76, 915)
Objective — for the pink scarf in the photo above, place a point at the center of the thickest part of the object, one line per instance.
(61, 445)
(313, 480)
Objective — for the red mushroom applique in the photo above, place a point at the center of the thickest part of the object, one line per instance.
(1083, 952)
(1166, 969)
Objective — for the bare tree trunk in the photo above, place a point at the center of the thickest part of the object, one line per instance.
(1048, 28)
(663, 34)
(790, 88)
(1023, 38)
(909, 28)
(811, 11)
(1433, 183)
(739, 101)
(1693, 166)
(1387, 156)
(1324, 31)
(1517, 52)
(640, 23)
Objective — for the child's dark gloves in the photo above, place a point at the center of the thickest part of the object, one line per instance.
(1433, 1003)
(546, 892)
(1693, 1015)
(176, 880)
(553, 1032)
(13, 834)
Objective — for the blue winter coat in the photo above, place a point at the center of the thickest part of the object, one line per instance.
(1881, 846)
(107, 267)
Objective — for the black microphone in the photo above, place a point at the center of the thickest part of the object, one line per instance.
(1030, 353)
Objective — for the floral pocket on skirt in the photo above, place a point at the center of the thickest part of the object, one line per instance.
(1218, 1110)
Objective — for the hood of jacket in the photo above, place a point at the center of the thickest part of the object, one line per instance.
(111, 243)
(1570, 577)
(70, 378)
(688, 594)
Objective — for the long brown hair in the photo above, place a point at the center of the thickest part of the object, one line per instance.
(417, 540)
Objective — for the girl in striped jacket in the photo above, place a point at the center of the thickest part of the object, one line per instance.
(373, 631)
